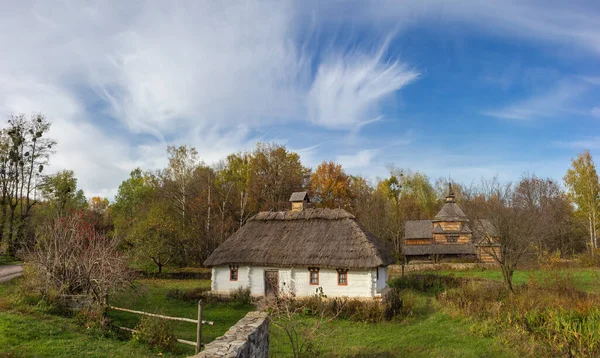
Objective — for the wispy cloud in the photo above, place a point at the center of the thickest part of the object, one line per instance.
(200, 73)
(552, 103)
(350, 87)
(580, 144)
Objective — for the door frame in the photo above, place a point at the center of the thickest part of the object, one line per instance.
(276, 286)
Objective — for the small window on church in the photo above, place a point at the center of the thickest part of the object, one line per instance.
(342, 277)
(452, 238)
(233, 273)
(314, 275)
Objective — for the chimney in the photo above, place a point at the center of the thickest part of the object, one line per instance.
(299, 200)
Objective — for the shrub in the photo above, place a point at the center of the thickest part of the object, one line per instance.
(70, 257)
(193, 294)
(425, 282)
(588, 260)
(241, 296)
(93, 318)
(393, 304)
(155, 332)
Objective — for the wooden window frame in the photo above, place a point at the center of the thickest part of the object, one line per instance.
(452, 239)
(310, 272)
(232, 269)
(339, 272)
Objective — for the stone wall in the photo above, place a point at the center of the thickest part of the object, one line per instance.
(249, 337)
(441, 266)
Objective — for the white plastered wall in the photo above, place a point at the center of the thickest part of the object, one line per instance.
(361, 283)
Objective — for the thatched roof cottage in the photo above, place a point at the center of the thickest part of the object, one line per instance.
(300, 251)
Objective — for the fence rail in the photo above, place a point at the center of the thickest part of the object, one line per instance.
(199, 322)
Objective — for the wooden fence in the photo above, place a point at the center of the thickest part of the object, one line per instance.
(199, 322)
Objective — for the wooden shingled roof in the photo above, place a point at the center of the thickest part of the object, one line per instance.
(313, 237)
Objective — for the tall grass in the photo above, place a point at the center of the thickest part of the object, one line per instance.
(553, 311)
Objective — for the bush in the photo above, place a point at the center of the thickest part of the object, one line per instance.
(71, 258)
(393, 304)
(588, 260)
(94, 318)
(425, 282)
(193, 294)
(241, 296)
(156, 333)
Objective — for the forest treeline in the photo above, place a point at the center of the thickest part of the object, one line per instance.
(179, 214)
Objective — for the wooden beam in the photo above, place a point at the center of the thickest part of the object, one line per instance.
(161, 316)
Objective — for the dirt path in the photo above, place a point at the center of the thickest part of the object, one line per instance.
(9, 272)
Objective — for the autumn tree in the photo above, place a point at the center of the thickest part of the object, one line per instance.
(330, 186)
(98, 204)
(584, 189)
(275, 174)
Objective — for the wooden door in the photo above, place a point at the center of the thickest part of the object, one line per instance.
(271, 283)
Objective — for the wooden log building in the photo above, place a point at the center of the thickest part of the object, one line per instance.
(449, 235)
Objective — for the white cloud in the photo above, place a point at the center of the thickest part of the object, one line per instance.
(552, 103)
(121, 79)
(359, 160)
(204, 74)
(348, 88)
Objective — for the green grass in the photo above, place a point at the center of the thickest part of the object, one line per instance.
(432, 331)
(7, 260)
(26, 331)
(585, 279)
(438, 335)
(150, 295)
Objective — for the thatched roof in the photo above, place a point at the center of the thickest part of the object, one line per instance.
(439, 249)
(418, 229)
(313, 237)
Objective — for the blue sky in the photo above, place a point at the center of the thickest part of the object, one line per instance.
(465, 89)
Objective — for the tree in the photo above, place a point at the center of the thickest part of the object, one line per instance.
(330, 186)
(584, 189)
(60, 191)
(513, 217)
(275, 174)
(25, 151)
(98, 204)
(130, 202)
(154, 236)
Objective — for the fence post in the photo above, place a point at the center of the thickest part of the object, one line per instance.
(199, 331)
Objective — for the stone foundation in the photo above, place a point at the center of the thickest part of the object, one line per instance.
(249, 337)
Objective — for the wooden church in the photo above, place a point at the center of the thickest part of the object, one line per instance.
(449, 235)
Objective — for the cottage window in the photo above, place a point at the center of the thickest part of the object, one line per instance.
(313, 275)
(233, 273)
(342, 277)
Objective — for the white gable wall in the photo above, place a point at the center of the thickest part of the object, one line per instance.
(361, 283)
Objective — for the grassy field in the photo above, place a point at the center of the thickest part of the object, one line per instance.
(150, 295)
(30, 331)
(585, 279)
(436, 335)
(432, 331)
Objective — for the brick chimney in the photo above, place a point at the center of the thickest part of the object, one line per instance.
(299, 200)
